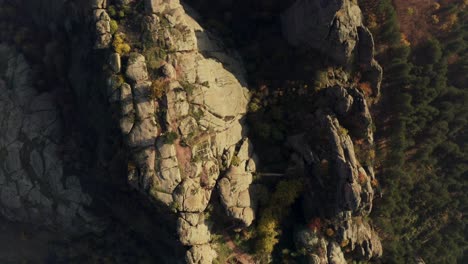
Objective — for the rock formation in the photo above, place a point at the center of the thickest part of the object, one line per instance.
(178, 99)
(337, 148)
(186, 140)
(34, 187)
(336, 29)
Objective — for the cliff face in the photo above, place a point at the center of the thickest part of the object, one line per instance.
(35, 187)
(339, 124)
(162, 105)
(188, 138)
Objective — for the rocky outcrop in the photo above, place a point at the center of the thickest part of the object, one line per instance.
(338, 162)
(182, 122)
(102, 24)
(34, 187)
(334, 28)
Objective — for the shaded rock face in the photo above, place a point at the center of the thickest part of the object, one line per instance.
(33, 185)
(336, 152)
(330, 27)
(336, 29)
(191, 139)
(337, 146)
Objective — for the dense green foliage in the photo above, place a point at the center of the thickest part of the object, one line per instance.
(424, 172)
(268, 226)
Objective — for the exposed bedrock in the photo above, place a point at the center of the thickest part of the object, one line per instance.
(192, 138)
(34, 187)
(338, 159)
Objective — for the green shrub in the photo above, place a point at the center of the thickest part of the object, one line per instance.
(114, 26)
(116, 81)
(112, 11)
(170, 137)
(263, 130)
(268, 225)
(197, 114)
(188, 87)
(119, 44)
(206, 84)
(254, 105)
(235, 161)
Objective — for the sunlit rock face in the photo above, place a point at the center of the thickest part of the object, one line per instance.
(183, 143)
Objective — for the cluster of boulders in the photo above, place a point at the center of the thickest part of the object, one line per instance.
(192, 139)
(34, 187)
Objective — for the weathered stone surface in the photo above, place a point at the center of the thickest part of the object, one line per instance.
(127, 111)
(136, 69)
(204, 102)
(114, 62)
(336, 29)
(200, 254)
(191, 197)
(168, 71)
(335, 255)
(32, 177)
(361, 235)
(329, 26)
(143, 133)
(235, 195)
(102, 28)
(98, 3)
(193, 234)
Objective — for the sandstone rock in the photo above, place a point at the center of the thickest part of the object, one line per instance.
(209, 174)
(361, 235)
(99, 3)
(166, 150)
(192, 234)
(235, 195)
(136, 69)
(144, 104)
(335, 255)
(191, 197)
(188, 126)
(206, 114)
(143, 133)
(200, 254)
(340, 100)
(178, 105)
(32, 177)
(150, 27)
(114, 62)
(102, 28)
(127, 111)
(168, 71)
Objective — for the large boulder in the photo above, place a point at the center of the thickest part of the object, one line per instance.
(136, 69)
